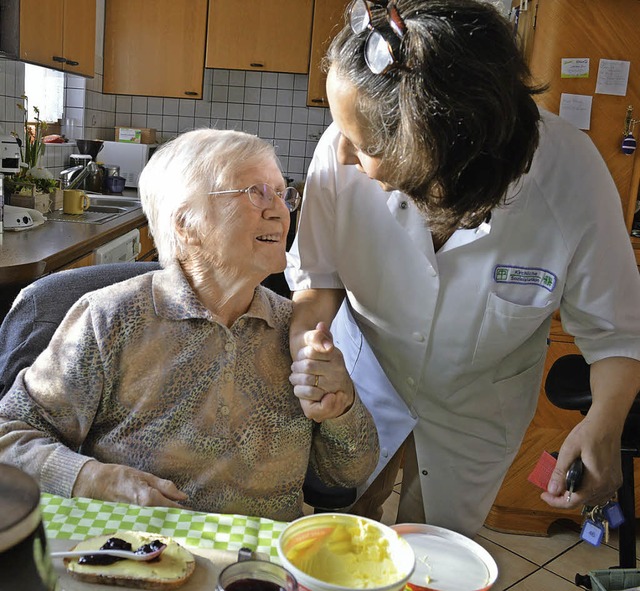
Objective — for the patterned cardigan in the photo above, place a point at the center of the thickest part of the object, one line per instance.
(140, 373)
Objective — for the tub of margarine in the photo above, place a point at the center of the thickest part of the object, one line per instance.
(338, 551)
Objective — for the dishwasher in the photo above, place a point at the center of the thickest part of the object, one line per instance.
(123, 249)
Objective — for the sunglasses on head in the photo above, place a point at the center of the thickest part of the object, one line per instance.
(382, 46)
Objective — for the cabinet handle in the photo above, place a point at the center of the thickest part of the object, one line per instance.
(256, 65)
(318, 100)
(59, 58)
(72, 63)
(190, 93)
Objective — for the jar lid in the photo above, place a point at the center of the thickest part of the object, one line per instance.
(447, 560)
(19, 505)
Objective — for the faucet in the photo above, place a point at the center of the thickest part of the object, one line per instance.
(71, 178)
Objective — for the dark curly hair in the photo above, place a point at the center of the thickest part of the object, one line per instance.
(457, 124)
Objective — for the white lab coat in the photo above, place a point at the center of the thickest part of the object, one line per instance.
(460, 335)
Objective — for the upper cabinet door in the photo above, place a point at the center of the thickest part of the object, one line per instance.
(41, 32)
(328, 18)
(59, 34)
(265, 35)
(155, 47)
(79, 36)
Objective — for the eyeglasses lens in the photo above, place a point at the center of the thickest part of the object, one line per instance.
(291, 198)
(378, 53)
(359, 16)
(262, 196)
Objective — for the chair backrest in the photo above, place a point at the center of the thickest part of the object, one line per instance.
(40, 307)
(568, 385)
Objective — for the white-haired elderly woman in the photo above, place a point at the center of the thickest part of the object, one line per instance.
(172, 388)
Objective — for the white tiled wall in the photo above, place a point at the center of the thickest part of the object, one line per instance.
(11, 88)
(271, 105)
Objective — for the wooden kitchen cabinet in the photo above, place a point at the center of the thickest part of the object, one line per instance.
(596, 30)
(57, 34)
(155, 47)
(148, 250)
(552, 31)
(328, 18)
(264, 35)
(87, 260)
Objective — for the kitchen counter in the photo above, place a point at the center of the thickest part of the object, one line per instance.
(29, 254)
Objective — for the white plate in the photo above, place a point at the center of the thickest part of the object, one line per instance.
(446, 560)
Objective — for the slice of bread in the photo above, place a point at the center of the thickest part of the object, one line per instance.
(172, 569)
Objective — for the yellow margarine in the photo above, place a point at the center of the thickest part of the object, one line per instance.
(355, 556)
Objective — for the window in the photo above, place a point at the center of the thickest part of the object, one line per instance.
(45, 89)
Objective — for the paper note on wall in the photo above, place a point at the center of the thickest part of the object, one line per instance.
(574, 67)
(613, 77)
(576, 108)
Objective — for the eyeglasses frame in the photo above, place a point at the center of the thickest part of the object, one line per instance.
(290, 206)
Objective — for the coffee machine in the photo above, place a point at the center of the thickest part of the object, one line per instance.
(9, 154)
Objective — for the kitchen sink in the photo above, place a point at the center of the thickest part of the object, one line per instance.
(102, 208)
(107, 209)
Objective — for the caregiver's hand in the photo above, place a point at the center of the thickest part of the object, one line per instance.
(114, 482)
(319, 377)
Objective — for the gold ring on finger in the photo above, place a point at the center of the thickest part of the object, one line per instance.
(315, 383)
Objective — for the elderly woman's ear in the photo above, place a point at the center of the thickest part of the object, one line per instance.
(187, 233)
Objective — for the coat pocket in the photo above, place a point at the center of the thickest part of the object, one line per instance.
(506, 327)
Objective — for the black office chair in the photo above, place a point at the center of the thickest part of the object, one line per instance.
(40, 307)
(567, 386)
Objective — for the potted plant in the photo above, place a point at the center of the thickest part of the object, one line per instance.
(32, 186)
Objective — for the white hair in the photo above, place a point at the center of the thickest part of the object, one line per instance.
(175, 183)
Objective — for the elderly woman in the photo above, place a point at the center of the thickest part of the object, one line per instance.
(172, 388)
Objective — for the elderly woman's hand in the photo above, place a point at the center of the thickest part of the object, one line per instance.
(319, 377)
(115, 482)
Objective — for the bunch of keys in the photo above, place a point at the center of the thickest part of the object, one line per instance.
(599, 519)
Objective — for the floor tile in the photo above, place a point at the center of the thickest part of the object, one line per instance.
(538, 550)
(511, 567)
(581, 559)
(543, 580)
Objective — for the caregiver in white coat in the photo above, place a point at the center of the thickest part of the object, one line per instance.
(456, 223)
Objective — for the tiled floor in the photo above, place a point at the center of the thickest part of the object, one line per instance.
(533, 563)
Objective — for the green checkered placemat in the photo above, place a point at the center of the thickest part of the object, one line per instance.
(80, 518)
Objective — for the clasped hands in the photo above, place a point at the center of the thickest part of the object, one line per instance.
(319, 376)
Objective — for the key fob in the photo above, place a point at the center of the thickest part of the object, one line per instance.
(592, 532)
(613, 514)
(574, 475)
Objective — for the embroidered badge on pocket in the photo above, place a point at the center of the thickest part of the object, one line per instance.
(525, 276)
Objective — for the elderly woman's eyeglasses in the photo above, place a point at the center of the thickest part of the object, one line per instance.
(382, 46)
(262, 195)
